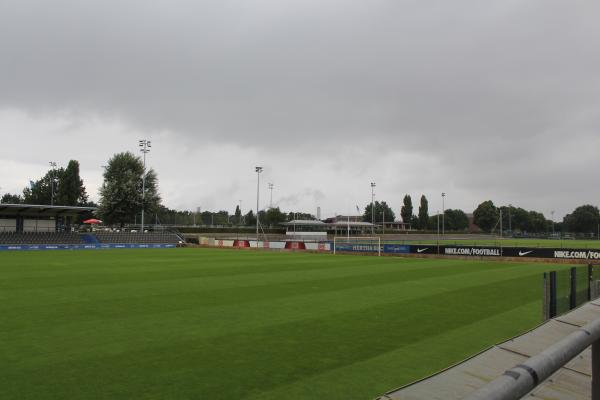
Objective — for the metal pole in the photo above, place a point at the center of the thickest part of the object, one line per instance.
(144, 148)
(590, 278)
(372, 209)
(500, 223)
(53, 165)
(271, 202)
(596, 370)
(443, 215)
(258, 171)
(545, 291)
(573, 294)
(143, 191)
(552, 311)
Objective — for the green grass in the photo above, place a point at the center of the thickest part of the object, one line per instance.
(510, 242)
(226, 324)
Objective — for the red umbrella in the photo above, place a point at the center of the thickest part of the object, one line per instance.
(92, 221)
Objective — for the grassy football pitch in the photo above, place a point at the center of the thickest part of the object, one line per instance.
(226, 324)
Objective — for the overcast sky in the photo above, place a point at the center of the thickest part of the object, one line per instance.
(479, 99)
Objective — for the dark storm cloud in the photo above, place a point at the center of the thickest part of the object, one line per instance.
(500, 93)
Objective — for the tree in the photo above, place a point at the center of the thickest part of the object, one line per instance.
(423, 213)
(407, 209)
(121, 192)
(64, 184)
(455, 220)
(584, 219)
(10, 198)
(238, 215)
(537, 222)
(40, 191)
(221, 217)
(250, 219)
(433, 222)
(486, 215)
(273, 217)
(70, 190)
(292, 215)
(383, 212)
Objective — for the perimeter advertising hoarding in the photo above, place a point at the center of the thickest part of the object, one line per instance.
(356, 247)
(84, 246)
(396, 248)
(526, 252)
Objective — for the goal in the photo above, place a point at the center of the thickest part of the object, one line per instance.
(358, 244)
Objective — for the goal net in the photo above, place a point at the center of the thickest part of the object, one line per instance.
(359, 244)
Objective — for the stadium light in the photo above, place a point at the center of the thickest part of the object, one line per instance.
(372, 209)
(271, 189)
(443, 214)
(258, 171)
(53, 165)
(144, 148)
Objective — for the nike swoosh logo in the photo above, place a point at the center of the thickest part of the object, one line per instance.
(524, 253)
(422, 250)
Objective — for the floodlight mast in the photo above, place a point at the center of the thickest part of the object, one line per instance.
(258, 171)
(443, 214)
(144, 148)
(53, 165)
(271, 189)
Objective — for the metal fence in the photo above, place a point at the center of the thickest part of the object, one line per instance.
(568, 289)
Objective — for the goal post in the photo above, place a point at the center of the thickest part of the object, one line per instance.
(357, 244)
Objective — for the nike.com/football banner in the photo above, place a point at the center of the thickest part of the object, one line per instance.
(474, 251)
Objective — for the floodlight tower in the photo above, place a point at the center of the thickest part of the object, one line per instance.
(271, 189)
(53, 165)
(258, 171)
(144, 148)
(443, 214)
(372, 208)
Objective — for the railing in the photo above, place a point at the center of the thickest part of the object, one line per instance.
(566, 290)
(523, 378)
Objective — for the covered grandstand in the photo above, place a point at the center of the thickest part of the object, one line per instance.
(29, 226)
(24, 218)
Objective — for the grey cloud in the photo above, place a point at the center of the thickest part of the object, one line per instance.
(487, 89)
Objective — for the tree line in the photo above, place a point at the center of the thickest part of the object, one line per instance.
(584, 219)
(59, 186)
(454, 220)
(487, 216)
(128, 188)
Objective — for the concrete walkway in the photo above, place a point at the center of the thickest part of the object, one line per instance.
(573, 381)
